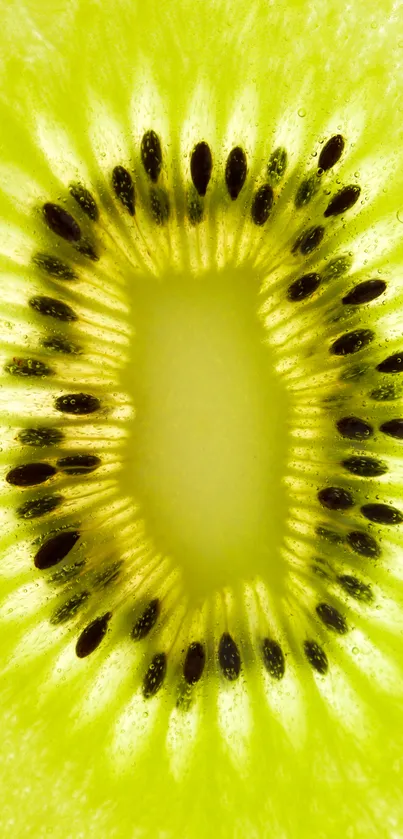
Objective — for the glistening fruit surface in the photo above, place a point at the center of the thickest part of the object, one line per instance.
(201, 409)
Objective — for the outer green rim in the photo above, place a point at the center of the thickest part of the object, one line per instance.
(58, 777)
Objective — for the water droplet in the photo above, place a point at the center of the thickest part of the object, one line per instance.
(399, 215)
(301, 112)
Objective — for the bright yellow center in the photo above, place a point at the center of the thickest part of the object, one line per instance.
(207, 452)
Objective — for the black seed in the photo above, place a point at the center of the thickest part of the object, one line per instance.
(235, 171)
(146, 621)
(61, 222)
(39, 506)
(123, 188)
(394, 428)
(306, 191)
(382, 513)
(354, 428)
(335, 498)
(384, 393)
(365, 467)
(201, 165)
(28, 367)
(273, 658)
(229, 657)
(77, 403)
(195, 211)
(91, 637)
(159, 206)
(30, 474)
(355, 588)
(54, 266)
(151, 155)
(364, 544)
(108, 575)
(316, 656)
(55, 549)
(40, 437)
(85, 200)
(337, 267)
(79, 464)
(364, 292)
(309, 240)
(392, 364)
(331, 152)
(52, 308)
(60, 344)
(329, 535)
(352, 342)
(194, 663)
(262, 204)
(86, 248)
(303, 287)
(343, 200)
(277, 165)
(69, 608)
(155, 675)
(332, 618)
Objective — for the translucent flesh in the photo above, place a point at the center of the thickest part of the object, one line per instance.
(82, 753)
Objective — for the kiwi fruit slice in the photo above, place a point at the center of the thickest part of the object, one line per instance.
(202, 419)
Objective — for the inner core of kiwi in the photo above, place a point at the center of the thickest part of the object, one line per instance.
(207, 451)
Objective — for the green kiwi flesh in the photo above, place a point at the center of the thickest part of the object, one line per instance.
(202, 427)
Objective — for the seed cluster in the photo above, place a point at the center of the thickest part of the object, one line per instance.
(63, 546)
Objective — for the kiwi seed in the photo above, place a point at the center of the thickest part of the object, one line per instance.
(354, 428)
(331, 152)
(229, 657)
(55, 549)
(235, 172)
(85, 200)
(124, 188)
(61, 222)
(363, 543)
(40, 437)
(316, 656)
(194, 663)
(91, 637)
(155, 675)
(393, 428)
(54, 266)
(352, 342)
(30, 474)
(151, 155)
(335, 498)
(146, 621)
(201, 165)
(303, 287)
(343, 201)
(355, 588)
(392, 364)
(262, 204)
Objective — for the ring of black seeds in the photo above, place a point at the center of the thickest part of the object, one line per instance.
(57, 546)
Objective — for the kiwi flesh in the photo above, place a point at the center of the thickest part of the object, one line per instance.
(201, 597)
